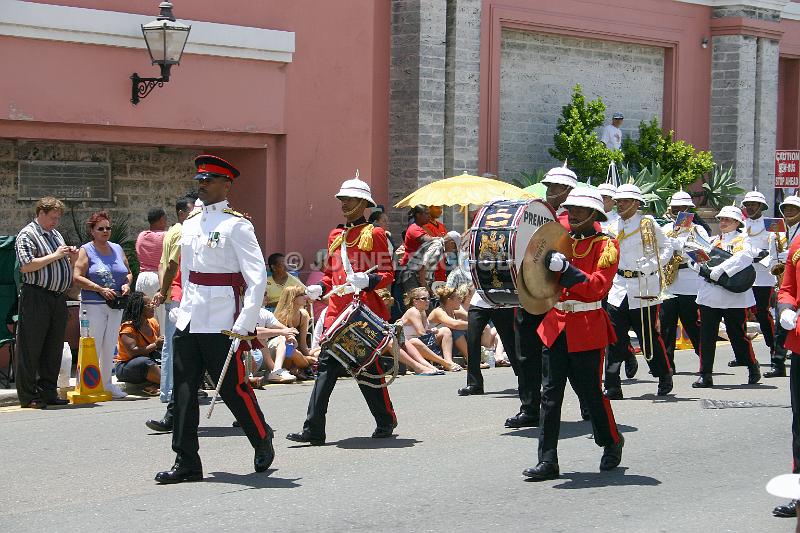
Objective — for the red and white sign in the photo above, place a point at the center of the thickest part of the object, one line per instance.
(787, 169)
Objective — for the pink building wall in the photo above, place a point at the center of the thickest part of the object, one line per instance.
(295, 129)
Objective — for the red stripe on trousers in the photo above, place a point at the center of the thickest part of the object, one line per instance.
(612, 423)
(657, 331)
(753, 359)
(245, 392)
(385, 391)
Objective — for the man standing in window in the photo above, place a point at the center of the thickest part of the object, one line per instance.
(46, 266)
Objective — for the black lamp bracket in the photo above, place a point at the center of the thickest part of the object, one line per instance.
(141, 87)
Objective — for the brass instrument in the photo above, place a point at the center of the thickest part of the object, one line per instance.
(650, 249)
(670, 271)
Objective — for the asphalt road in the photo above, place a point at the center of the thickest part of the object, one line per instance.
(452, 467)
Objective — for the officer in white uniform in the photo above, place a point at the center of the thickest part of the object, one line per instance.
(754, 204)
(224, 278)
(718, 303)
(778, 248)
(687, 281)
(607, 192)
(637, 277)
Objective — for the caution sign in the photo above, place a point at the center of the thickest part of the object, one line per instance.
(787, 169)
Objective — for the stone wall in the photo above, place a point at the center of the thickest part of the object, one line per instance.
(142, 178)
(538, 72)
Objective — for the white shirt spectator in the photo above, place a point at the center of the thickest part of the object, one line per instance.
(611, 136)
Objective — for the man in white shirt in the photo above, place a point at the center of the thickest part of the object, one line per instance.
(635, 293)
(754, 204)
(611, 134)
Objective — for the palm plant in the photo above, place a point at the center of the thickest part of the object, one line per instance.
(656, 185)
(721, 188)
(527, 179)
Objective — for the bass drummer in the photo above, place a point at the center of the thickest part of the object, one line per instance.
(353, 248)
(718, 303)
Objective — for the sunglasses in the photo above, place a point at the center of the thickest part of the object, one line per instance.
(104, 228)
(423, 298)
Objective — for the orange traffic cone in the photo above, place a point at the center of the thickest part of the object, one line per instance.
(89, 385)
(682, 342)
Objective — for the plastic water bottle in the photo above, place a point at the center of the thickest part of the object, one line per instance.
(490, 358)
(84, 324)
(289, 349)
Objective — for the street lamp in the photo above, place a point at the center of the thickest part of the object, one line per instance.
(165, 38)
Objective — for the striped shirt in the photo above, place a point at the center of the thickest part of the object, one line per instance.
(34, 242)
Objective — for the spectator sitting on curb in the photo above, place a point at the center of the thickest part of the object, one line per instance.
(279, 279)
(418, 333)
(267, 328)
(408, 355)
(139, 343)
(450, 315)
(291, 311)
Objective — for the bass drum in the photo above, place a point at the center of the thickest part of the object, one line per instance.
(497, 242)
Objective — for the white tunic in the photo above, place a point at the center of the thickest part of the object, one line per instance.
(759, 241)
(214, 241)
(713, 295)
(631, 257)
(687, 281)
(612, 216)
(776, 257)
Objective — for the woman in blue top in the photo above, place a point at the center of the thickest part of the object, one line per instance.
(102, 273)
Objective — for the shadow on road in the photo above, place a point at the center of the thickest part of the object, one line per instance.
(757, 386)
(569, 430)
(614, 478)
(219, 431)
(670, 398)
(368, 443)
(254, 480)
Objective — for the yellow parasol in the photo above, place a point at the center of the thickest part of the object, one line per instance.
(463, 190)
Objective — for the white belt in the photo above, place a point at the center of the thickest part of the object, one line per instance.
(574, 306)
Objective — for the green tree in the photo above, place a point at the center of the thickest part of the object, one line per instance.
(576, 138)
(677, 157)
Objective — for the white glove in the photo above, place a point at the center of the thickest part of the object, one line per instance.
(314, 292)
(677, 245)
(694, 266)
(558, 262)
(788, 319)
(717, 272)
(783, 256)
(359, 280)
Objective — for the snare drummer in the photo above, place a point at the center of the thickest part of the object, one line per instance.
(366, 246)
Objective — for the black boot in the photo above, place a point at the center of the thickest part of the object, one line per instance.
(612, 455)
(180, 473)
(265, 452)
(664, 385)
(165, 424)
(786, 511)
(305, 437)
(613, 390)
(754, 375)
(523, 420)
(705, 381)
(631, 366)
(778, 369)
(541, 472)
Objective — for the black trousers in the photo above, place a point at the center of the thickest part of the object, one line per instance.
(477, 319)
(763, 314)
(735, 325)
(683, 307)
(623, 319)
(584, 371)
(328, 370)
(528, 361)
(194, 353)
(40, 342)
(794, 388)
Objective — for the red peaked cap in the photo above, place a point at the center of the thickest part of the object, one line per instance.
(211, 165)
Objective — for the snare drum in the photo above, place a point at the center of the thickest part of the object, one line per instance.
(357, 337)
(498, 238)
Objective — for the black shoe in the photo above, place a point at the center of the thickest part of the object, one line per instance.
(631, 367)
(541, 472)
(613, 394)
(523, 420)
(778, 371)
(612, 455)
(382, 433)
(57, 401)
(705, 381)
(265, 452)
(664, 385)
(755, 374)
(305, 437)
(786, 511)
(35, 404)
(585, 415)
(735, 363)
(470, 390)
(179, 474)
(236, 424)
(162, 426)
(202, 394)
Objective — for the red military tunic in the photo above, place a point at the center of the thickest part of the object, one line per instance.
(586, 330)
(364, 253)
(789, 293)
